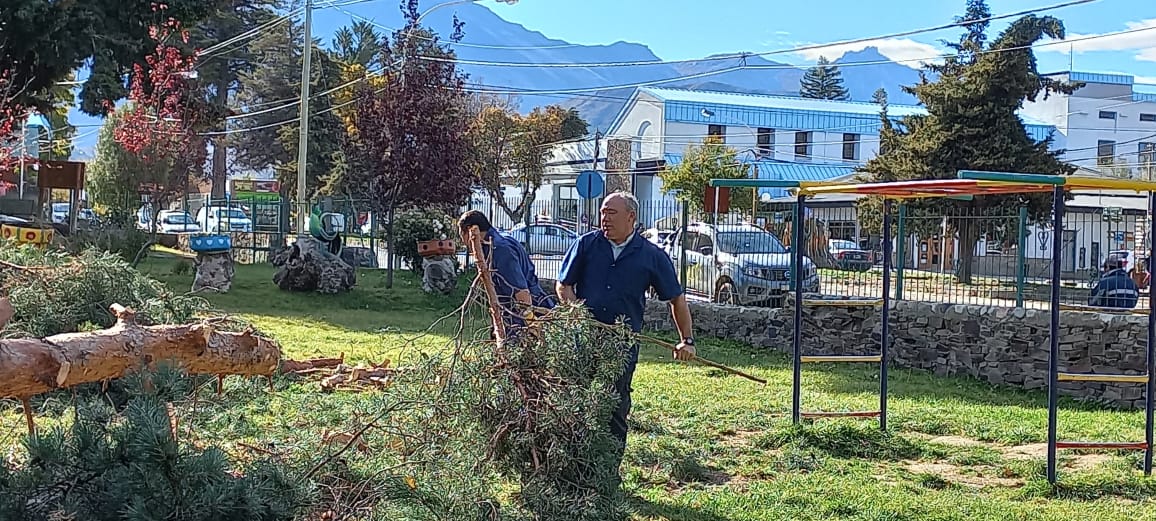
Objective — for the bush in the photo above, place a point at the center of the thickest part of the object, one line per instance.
(53, 292)
(124, 241)
(411, 226)
(112, 465)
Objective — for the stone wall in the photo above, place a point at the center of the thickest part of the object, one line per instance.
(1006, 346)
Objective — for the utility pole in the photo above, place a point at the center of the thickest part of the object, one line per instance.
(303, 142)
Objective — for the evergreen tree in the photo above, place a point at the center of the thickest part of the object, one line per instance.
(262, 140)
(971, 124)
(823, 81)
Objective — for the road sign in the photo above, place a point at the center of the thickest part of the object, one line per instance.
(590, 184)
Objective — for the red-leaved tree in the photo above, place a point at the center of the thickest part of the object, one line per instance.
(11, 117)
(408, 145)
(164, 121)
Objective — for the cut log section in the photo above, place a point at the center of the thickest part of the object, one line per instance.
(30, 366)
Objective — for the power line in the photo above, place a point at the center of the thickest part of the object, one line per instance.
(792, 50)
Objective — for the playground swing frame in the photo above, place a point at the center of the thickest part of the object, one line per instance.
(971, 183)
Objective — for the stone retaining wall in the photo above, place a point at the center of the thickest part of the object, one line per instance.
(999, 345)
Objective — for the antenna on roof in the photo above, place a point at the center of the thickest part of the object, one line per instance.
(1071, 57)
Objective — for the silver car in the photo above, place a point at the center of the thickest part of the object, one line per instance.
(738, 264)
(543, 239)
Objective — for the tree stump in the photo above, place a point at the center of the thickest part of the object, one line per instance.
(308, 265)
(439, 274)
(214, 272)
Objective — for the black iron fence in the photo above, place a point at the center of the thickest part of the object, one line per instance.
(998, 257)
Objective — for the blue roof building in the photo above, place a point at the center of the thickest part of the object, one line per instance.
(782, 137)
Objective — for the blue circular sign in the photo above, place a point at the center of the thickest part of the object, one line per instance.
(590, 184)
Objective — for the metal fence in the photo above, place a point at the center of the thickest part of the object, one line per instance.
(996, 257)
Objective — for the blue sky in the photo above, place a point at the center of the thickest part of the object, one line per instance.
(681, 29)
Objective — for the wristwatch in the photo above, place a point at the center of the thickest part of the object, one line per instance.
(688, 341)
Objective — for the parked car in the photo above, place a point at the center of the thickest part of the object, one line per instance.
(543, 239)
(84, 216)
(221, 219)
(176, 221)
(849, 256)
(658, 236)
(738, 264)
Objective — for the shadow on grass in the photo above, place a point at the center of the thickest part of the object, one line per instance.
(666, 511)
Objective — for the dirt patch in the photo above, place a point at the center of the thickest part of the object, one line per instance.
(1040, 451)
(957, 441)
(980, 476)
(740, 438)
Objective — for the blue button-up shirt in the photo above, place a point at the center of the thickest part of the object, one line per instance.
(616, 287)
(512, 271)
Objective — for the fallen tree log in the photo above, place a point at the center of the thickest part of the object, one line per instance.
(31, 366)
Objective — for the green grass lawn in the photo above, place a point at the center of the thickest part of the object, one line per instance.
(705, 446)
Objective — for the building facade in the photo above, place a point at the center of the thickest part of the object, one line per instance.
(1108, 124)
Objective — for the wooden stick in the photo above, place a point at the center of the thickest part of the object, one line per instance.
(699, 359)
(487, 282)
(28, 417)
(675, 348)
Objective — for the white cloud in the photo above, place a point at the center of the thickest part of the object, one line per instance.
(1146, 80)
(903, 50)
(1142, 41)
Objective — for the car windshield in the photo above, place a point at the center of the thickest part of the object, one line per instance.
(750, 242)
(843, 245)
(177, 218)
(232, 214)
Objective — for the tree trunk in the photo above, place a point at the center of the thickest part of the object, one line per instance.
(30, 366)
(968, 238)
(816, 245)
(220, 173)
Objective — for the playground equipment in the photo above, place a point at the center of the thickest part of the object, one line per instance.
(798, 358)
(972, 183)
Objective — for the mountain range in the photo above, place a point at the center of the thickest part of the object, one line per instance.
(568, 74)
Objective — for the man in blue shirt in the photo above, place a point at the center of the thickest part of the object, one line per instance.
(515, 281)
(1115, 289)
(610, 270)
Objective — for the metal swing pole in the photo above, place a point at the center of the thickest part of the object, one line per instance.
(885, 332)
(1054, 333)
(797, 332)
(1150, 393)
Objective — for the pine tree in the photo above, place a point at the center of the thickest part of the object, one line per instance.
(972, 124)
(823, 81)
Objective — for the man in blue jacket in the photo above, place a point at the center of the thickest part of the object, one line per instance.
(610, 270)
(1115, 289)
(515, 280)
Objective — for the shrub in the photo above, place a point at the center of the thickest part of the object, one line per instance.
(411, 226)
(113, 464)
(53, 292)
(124, 241)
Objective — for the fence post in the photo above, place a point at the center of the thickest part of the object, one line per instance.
(1021, 255)
(901, 253)
(684, 218)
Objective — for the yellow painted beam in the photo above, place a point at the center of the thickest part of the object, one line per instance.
(1112, 378)
(841, 358)
(1107, 183)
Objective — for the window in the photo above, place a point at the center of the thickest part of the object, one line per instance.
(1105, 152)
(850, 147)
(1107, 114)
(717, 130)
(1147, 154)
(766, 141)
(802, 145)
(843, 230)
(1150, 118)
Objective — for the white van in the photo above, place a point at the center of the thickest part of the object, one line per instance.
(221, 219)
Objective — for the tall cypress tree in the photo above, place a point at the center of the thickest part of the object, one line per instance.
(823, 81)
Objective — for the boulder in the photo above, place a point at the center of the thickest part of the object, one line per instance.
(439, 274)
(214, 272)
(309, 265)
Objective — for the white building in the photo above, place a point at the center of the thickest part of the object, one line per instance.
(1109, 120)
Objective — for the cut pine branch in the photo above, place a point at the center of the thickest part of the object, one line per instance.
(31, 366)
